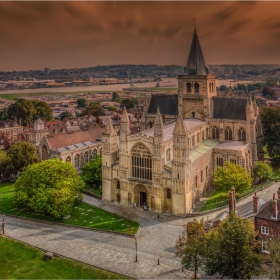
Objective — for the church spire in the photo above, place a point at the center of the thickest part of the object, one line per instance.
(180, 128)
(196, 64)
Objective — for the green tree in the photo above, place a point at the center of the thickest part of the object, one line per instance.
(94, 109)
(232, 249)
(22, 109)
(112, 108)
(262, 170)
(81, 102)
(191, 246)
(116, 97)
(66, 115)
(130, 102)
(43, 111)
(21, 154)
(272, 245)
(232, 175)
(4, 162)
(270, 118)
(4, 114)
(223, 88)
(269, 93)
(49, 187)
(92, 171)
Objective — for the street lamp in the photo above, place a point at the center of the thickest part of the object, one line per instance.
(136, 248)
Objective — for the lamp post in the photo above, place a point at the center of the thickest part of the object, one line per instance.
(136, 248)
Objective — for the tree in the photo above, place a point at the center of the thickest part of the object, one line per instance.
(22, 109)
(116, 97)
(112, 108)
(21, 154)
(43, 111)
(232, 249)
(128, 212)
(270, 118)
(92, 171)
(191, 245)
(49, 187)
(232, 175)
(82, 102)
(223, 88)
(66, 115)
(262, 170)
(94, 109)
(4, 114)
(269, 93)
(4, 162)
(130, 102)
(272, 245)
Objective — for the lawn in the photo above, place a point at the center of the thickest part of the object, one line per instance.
(82, 214)
(218, 198)
(21, 261)
(275, 174)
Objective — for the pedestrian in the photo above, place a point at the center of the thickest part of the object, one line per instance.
(3, 227)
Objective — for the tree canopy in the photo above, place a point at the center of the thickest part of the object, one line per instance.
(28, 111)
(92, 171)
(269, 93)
(262, 170)
(112, 108)
(81, 102)
(232, 175)
(20, 155)
(94, 109)
(232, 249)
(191, 245)
(270, 118)
(130, 102)
(116, 97)
(65, 115)
(49, 187)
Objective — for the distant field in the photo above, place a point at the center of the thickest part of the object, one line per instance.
(37, 94)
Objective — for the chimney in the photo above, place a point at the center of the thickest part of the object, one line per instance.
(232, 201)
(274, 207)
(255, 203)
(278, 193)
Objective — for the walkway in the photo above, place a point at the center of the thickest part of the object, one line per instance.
(117, 253)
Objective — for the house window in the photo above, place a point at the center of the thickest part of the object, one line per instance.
(264, 246)
(264, 230)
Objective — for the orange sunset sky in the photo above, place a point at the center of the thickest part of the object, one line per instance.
(35, 35)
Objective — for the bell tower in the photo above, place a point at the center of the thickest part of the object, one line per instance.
(196, 86)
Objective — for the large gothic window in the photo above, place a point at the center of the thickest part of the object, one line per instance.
(228, 133)
(241, 134)
(189, 87)
(141, 163)
(86, 157)
(196, 88)
(215, 133)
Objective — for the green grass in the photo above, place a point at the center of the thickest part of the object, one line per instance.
(89, 187)
(21, 261)
(82, 214)
(275, 175)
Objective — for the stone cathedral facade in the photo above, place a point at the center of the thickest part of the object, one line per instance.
(184, 137)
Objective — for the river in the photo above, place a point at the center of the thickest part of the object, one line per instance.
(114, 87)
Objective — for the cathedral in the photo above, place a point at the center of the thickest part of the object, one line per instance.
(184, 137)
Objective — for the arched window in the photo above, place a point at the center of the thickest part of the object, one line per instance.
(232, 160)
(196, 88)
(220, 161)
(215, 133)
(168, 193)
(86, 157)
(45, 155)
(118, 185)
(77, 161)
(141, 162)
(241, 134)
(189, 87)
(168, 157)
(68, 159)
(228, 133)
(210, 87)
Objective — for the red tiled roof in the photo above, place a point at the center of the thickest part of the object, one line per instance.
(66, 139)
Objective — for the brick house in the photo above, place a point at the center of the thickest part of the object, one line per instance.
(267, 218)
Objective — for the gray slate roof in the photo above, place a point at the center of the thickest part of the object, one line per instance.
(196, 64)
(229, 108)
(168, 104)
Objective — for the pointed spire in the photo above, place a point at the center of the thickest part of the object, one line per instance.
(196, 64)
(158, 119)
(180, 128)
(109, 130)
(124, 116)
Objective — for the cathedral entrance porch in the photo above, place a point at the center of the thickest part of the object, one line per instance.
(141, 195)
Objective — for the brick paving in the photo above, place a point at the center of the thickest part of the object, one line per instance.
(117, 253)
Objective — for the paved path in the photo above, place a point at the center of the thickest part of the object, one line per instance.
(117, 253)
